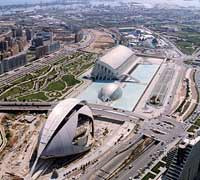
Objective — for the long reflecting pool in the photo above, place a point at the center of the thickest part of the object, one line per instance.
(131, 91)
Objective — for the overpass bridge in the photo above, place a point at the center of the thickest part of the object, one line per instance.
(26, 106)
(44, 107)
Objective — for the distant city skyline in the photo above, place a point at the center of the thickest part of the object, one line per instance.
(9, 2)
(185, 3)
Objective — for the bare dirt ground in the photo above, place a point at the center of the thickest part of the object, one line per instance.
(22, 138)
(102, 41)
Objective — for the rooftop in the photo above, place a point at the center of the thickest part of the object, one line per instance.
(117, 56)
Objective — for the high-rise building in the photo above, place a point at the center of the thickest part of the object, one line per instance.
(46, 36)
(13, 32)
(28, 34)
(36, 42)
(3, 46)
(78, 36)
(185, 163)
(12, 62)
(41, 51)
(53, 47)
(19, 32)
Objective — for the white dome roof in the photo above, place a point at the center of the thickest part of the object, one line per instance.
(110, 92)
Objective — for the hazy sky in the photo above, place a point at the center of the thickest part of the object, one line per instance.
(3, 2)
(185, 3)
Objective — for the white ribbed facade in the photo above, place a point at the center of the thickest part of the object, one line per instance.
(113, 64)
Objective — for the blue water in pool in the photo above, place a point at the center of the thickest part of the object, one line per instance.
(131, 91)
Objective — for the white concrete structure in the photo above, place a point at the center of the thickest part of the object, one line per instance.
(68, 130)
(111, 92)
(185, 165)
(113, 64)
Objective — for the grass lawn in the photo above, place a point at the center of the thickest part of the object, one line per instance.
(148, 176)
(186, 47)
(25, 78)
(61, 60)
(24, 86)
(70, 80)
(56, 86)
(86, 66)
(192, 128)
(42, 71)
(157, 166)
(11, 92)
(27, 85)
(35, 96)
(197, 122)
(190, 39)
(41, 82)
(72, 67)
(52, 73)
(164, 158)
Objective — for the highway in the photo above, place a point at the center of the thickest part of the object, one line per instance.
(130, 114)
(124, 159)
(174, 131)
(107, 157)
(139, 163)
(98, 110)
(26, 106)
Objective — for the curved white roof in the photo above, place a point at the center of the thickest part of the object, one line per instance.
(55, 118)
(117, 56)
(56, 137)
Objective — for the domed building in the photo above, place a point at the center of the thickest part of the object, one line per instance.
(69, 130)
(110, 92)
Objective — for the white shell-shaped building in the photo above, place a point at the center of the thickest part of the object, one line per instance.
(110, 92)
(68, 130)
(113, 64)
